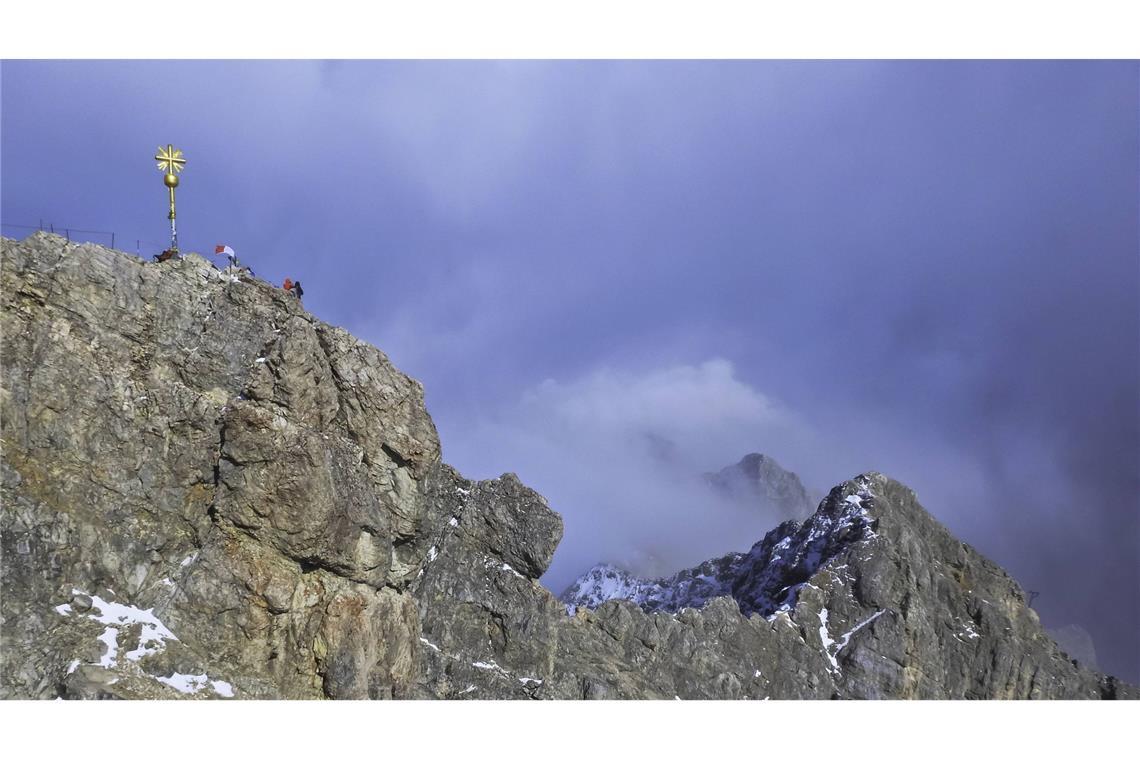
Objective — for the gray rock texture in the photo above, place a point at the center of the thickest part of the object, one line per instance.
(209, 494)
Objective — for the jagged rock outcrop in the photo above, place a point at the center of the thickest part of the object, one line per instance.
(208, 493)
(179, 440)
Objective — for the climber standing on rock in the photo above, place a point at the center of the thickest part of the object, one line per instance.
(293, 288)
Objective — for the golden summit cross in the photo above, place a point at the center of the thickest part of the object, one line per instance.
(170, 161)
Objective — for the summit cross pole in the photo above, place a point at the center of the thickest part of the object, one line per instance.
(171, 162)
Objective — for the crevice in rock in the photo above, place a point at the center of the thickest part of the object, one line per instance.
(395, 456)
(341, 416)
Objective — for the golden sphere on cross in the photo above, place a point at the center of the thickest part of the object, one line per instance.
(170, 162)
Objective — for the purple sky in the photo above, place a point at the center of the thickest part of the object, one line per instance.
(924, 268)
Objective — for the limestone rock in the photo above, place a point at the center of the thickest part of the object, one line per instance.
(209, 494)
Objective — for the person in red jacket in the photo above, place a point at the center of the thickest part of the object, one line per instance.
(288, 285)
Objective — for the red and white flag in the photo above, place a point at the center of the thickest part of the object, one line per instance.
(226, 250)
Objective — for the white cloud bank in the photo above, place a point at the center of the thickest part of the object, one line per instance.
(619, 454)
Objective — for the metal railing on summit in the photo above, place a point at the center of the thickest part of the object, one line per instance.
(75, 234)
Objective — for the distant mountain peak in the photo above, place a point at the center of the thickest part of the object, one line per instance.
(760, 479)
(764, 580)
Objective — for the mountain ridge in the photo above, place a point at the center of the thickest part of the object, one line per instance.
(209, 493)
(755, 479)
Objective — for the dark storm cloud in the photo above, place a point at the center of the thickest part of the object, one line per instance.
(928, 269)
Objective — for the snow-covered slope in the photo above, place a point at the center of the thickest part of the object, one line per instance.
(764, 580)
(688, 588)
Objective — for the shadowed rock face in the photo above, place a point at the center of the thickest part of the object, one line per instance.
(207, 493)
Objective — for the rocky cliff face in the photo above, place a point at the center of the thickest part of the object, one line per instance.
(208, 493)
